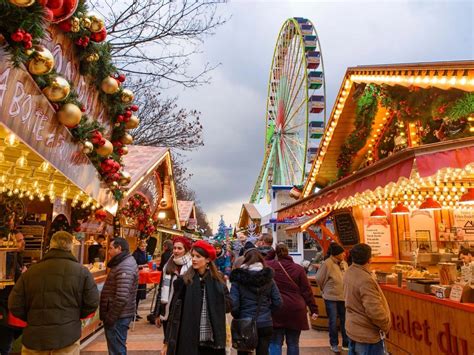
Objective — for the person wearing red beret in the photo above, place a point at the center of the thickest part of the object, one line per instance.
(196, 324)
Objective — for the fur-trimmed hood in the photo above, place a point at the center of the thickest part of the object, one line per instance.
(252, 279)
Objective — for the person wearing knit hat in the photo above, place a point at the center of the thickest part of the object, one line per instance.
(177, 265)
(197, 323)
(329, 278)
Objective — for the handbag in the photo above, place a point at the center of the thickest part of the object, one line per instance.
(244, 331)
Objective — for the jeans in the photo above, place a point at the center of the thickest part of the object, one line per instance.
(335, 309)
(264, 336)
(116, 336)
(292, 341)
(356, 348)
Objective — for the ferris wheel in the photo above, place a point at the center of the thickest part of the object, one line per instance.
(296, 108)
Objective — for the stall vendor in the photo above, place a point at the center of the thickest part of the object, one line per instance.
(466, 256)
(97, 251)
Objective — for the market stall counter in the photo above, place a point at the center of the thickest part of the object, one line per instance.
(425, 324)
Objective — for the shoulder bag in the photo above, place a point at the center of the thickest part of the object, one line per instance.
(244, 330)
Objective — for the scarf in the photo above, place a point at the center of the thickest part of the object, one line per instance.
(167, 288)
(117, 259)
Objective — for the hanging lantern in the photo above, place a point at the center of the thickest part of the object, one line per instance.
(42, 62)
(69, 115)
(430, 205)
(400, 209)
(378, 213)
(467, 198)
(58, 90)
(109, 85)
(106, 149)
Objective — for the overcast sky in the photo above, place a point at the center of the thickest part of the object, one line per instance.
(351, 33)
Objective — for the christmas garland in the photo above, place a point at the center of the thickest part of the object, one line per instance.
(138, 209)
(23, 24)
(440, 114)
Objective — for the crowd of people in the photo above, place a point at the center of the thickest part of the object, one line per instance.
(259, 285)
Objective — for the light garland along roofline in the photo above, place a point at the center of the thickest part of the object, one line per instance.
(443, 75)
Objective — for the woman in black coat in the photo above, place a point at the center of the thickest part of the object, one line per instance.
(140, 257)
(252, 284)
(196, 323)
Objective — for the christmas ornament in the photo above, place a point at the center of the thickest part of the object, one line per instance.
(22, 3)
(87, 147)
(134, 108)
(99, 36)
(100, 215)
(127, 96)
(125, 178)
(75, 24)
(49, 16)
(86, 23)
(82, 41)
(96, 137)
(132, 123)
(97, 22)
(94, 57)
(109, 85)
(106, 149)
(115, 184)
(17, 36)
(127, 114)
(42, 62)
(57, 90)
(69, 115)
(54, 4)
(28, 44)
(121, 78)
(126, 139)
(122, 151)
(65, 26)
(27, 37)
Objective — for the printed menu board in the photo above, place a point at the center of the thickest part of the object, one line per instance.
(346, 228)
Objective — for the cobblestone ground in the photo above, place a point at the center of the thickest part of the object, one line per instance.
(144, 338)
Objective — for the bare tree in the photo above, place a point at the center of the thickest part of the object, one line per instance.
(155, 39)
(163, 124)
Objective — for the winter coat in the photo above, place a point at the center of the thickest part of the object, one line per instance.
(52, 297)
(183, 329)
(140, 258)
(117, 299)
(246, 285)
(164, 259)
(223, 263)
(297, 295)
(329, 279)
(367, 310)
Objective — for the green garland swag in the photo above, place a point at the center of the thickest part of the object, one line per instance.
(32, 20)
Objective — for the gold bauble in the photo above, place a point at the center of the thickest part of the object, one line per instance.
(86, 23)
(106, 149)
(127, 96)
(115, 184)
(75, 28)
(69, 115)
(109, 85)
(42, 62)
(87, 147)
(58, 90)
(97, 22)
(124, 150)
(132, 123)
(22, 3)
(126, 139)
(94, 57)
(125, 178)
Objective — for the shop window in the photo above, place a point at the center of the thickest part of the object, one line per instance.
(291, 242)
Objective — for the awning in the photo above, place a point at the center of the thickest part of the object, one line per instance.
(305, 222)
(424, 160)
(170, 231)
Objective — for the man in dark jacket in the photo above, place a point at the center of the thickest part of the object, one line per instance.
(8, 334)
(118, 297)
(52, 297)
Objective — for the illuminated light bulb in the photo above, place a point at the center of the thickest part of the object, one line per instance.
(452, 81)
(442, 80)
(21, 194)
(16, 191)
(463, 81)
(10, 193)
(418, 80)
(51, 187)
(35, 184)
(19, 181)
(22, 162)
(11, 140)
(44, 167)
(31, 197)
(411, 80)
(426, 80)
(454, 189)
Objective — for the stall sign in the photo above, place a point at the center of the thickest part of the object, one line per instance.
(378, 235)
(423, 230)
(26, 111)
(150, 189)
(464, 223)
(346, 228)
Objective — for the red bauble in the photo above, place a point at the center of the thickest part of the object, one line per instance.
(17, 36)
(114, 177)
(54, 4)
(83, 109)
(120, 118)
(128, 114)
(101, 142)
(49, 16)
(28, 45)
(116, 166)
(117, 144)
(27, 37)
(42, 2)
(99, 36)
(121, 78)
(134, 108)
(65, 26)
